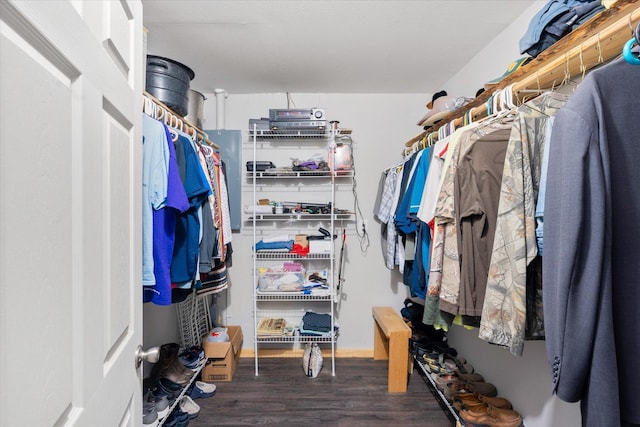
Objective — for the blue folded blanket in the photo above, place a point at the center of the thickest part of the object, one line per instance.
(274, 245)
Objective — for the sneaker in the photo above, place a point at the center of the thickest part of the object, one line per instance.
(169, 389)
(149, 415)
(159, 400)
(189, 406)
(192, 357)
(177, 418)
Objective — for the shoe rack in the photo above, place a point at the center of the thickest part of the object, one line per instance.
(451, 413)
(176, 402)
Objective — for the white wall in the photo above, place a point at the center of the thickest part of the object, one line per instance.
(492, 61)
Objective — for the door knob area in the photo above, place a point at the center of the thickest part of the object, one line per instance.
(151, 355)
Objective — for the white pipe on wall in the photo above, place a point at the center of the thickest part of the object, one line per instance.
(221, 95)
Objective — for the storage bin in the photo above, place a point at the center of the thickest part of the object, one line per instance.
(280, 281)
(169, 81)
(196, 108)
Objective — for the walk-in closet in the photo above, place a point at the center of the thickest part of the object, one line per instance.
(319, 212)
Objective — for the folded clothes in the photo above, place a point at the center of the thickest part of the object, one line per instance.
(276, 238)
(261, 245)
(316, 322)
(258, 209)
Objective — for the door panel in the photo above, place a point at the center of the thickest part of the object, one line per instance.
(70, 160)
(117, 33)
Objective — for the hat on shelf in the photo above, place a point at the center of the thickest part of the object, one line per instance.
(441, 104)
(514, 66)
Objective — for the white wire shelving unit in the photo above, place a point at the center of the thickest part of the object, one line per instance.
(296, 184)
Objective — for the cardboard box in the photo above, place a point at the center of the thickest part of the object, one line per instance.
(302, 240)
(222, 357)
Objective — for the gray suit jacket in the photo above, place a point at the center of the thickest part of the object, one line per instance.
(591, 265)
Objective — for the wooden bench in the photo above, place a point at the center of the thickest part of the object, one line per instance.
(391, 342)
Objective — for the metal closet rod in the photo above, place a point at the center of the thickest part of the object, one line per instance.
(171, 119)
(597, 41)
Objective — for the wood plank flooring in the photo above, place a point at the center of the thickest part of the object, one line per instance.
(283, 396)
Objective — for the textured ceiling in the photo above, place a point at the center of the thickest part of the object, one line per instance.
(325, 46)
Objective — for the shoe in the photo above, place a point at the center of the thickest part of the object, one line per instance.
(202, 390)
(475, 399)
(444, 348)
(169, 389)
(441, 380)
(419, 347)
(488, 416)
(472, 378)
(177, 418)
(168, 366)
(458, 363)
(159, 400)
(189, 406)
(453, 389)
(149, 415)
(191, 357)
(464, 366)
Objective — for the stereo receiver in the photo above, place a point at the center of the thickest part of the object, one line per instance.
(296, 114)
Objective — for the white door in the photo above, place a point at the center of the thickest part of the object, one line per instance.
(70, 191)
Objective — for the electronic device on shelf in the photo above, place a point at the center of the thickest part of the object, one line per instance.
(297, 119)
(296, 114)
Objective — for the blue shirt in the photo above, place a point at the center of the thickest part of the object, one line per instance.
(185, 253)
(155, 166)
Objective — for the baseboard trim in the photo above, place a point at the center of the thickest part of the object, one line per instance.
(289, 352)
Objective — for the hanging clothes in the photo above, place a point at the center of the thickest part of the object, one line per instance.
(216, 242)
(181, 178)
(155, 166)
(385, 211)
(184, 264)
(591, 246)
(543, 185)
(416, 235)
(444, 273)
(477, 181)
(164, 213)
(506, 306)
(426, 213)
(452, 281)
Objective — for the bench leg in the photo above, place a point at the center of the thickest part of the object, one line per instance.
(398, 362)
(380, 343)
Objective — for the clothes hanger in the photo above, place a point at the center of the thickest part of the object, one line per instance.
(627, 54)
(174, 134)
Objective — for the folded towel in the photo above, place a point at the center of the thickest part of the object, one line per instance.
(259, 209)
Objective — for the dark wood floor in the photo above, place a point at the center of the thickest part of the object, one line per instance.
(283, 396)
